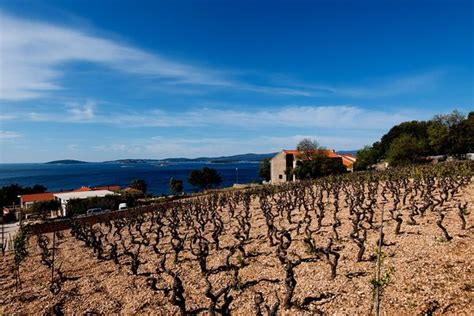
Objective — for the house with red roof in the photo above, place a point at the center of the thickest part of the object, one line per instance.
(285, 161)
(27, 200)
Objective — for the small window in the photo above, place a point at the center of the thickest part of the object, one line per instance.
(280, 176)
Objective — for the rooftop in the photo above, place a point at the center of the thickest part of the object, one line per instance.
(37, 197)
(83, 194)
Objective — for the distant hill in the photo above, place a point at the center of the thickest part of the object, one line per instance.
(66, 162)
(223, 159)
(250, 157)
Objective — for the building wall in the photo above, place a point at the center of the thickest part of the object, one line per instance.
(278, 168)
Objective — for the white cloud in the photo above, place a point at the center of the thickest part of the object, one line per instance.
(334, 117)
(167, 147)
(382, 87)
(32, 53)
(8, 135)
(328, 117)
(81, 112)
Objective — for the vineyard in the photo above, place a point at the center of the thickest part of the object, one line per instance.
(400, 241)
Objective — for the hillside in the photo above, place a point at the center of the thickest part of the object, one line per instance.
(66, 162)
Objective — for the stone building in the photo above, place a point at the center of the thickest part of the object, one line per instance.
(285, 161)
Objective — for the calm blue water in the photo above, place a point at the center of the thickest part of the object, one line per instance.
(57, 177)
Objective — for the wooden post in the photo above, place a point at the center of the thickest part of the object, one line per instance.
(377, 278)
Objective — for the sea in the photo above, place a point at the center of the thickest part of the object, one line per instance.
(57, 177)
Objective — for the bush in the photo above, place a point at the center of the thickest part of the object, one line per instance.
(111, 202)
(318, 167)
(265, 169)
(205, 178)
(138, 184)
(176, 186)
(45, 206)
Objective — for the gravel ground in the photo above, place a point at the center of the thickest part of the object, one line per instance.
(427, 273)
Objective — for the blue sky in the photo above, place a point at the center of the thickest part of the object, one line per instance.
(100, 80)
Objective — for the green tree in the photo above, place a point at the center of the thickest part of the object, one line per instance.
(437, 137)
(317, 167)
(416, 129)
(45, 206)
(265, 169)
(366, 157)
(204, 178)
(449, 120)
(307, 144)
(403, 150)
(308, 148)
(176, 186)
(9, 193)
(138, 184)
(461, 137)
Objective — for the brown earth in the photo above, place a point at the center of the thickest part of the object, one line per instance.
(427, 273)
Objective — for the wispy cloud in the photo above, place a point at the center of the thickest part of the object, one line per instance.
(381, 87)
(32, 54)
(329, 117)
(8, 135)
(166, 147)
(81, 112)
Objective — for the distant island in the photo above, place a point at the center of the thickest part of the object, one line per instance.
(224, 159)
(250, 157)
(65, 162)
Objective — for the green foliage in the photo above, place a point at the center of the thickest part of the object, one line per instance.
(80, 206)
(19, 244)
(9, 193)
(318, 166)
(138, 184)
(205, 178)
(176, 186)
(416, 129)
(45, 206)
(385, 279)
(265, 169)
(461, 137)
(449, 120)
(240, 260)
(366, 157)
(437, 137)
(404, 150)
(406, 142)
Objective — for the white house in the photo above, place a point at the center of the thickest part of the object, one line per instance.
(65, 197)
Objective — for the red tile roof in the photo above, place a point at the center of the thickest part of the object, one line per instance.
(37, 197)
(347, 160)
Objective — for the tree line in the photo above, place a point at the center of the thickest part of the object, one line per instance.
(407, 142)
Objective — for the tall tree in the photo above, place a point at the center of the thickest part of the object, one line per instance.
(307, 144)
(461, 137)
(404, 149)
(366, 157)
(176, 186)
(205, 178)
(138, 184)
(449, 120)
(265, 169)
(308, 149)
